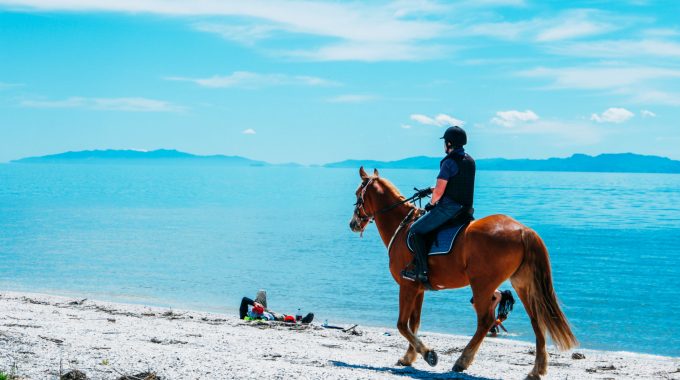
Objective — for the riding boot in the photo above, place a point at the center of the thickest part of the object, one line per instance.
(419, 245)
(421, 249)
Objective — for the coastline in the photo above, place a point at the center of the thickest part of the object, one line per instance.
(41, 333)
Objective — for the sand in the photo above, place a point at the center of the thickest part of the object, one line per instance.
(41, 336)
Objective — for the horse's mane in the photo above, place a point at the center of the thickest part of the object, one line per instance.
(388, 187)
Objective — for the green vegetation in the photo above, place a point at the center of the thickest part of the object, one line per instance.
(11, 375)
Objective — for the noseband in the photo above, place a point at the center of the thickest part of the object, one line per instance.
(366, 218)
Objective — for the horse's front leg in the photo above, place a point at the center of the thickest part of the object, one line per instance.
(414, 323)
(410, 306)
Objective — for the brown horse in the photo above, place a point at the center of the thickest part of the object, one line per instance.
(488, 252)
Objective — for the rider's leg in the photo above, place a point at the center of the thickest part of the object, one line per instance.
(419, 273)
(427, 223)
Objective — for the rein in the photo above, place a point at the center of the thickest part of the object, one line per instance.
(403, 223)
(369, 218)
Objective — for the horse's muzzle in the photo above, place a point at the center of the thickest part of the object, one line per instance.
(354, 225)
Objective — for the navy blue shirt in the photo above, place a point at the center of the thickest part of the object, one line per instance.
(450, 167)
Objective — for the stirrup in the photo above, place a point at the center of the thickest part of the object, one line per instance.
(410, 275)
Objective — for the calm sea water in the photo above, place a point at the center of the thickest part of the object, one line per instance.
(203, 237)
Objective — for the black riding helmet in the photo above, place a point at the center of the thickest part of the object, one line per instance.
(455, 136)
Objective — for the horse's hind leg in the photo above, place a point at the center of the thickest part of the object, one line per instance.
(541, 363)
(414, 323)
(485, 318)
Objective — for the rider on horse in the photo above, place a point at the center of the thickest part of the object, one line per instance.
(451, 196)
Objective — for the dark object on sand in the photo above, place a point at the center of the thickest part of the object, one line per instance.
(308, 318)
(577, 356)
(78, 302)
(73, 375)
(333, 327)
(506, 305)
(140, 376)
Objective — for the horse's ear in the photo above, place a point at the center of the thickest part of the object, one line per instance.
(362, 173)
(375, 172)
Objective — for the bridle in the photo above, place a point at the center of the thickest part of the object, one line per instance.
(367, 218)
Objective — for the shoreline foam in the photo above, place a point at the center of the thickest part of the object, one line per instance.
(39, 333)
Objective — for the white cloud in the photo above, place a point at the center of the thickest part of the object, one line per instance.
(353, 23)
(370, 52)
(501, 30)
(106, 104)
(619, 49)
(446, 120)
(71, 102)
(656, 97)
(600, 77)
(406, 126)
(613, 115)
(568, 31)
(512, 118)
(570, 24)
(4, 86)
(575, 25)
(351, 98)
(422, 119)
(244, 34)
(249, 131)
(247, 79)
(647, 113)
(440, 120)
(661, 32)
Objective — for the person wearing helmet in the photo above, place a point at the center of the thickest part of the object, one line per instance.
(452, 195)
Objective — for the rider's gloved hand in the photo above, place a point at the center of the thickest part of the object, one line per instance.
(424, 192)
(429, 206)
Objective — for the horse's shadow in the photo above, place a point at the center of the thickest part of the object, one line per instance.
(410, 372)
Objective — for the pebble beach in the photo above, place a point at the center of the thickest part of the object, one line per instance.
(46, 337)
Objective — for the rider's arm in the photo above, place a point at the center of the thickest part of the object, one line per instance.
(438, 190)
(448, 169)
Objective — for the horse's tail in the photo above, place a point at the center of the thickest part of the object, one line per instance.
(541, 299)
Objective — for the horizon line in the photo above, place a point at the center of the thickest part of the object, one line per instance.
(318, 164)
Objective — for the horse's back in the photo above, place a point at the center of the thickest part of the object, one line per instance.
(496, 227)
(493, 244)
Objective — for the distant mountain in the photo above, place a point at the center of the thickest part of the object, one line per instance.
(611, 162)
(160, 156)
(619, 162)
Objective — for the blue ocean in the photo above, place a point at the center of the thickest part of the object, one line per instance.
(202, 237)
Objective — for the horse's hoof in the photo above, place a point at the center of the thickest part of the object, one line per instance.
(431, 358)
(458, 368)
(402, 363)
(533, 376)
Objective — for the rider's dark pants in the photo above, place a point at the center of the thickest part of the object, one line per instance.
(440, 214)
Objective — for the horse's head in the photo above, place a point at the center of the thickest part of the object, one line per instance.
(365, 206)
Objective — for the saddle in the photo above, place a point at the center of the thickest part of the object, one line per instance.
(441, 240)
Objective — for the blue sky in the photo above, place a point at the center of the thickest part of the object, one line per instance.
(315, 82)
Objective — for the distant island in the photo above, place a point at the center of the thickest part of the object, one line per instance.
(610, 162)
(160, 156)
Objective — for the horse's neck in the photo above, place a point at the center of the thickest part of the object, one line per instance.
(388, 222)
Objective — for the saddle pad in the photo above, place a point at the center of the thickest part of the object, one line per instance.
(443, 241)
